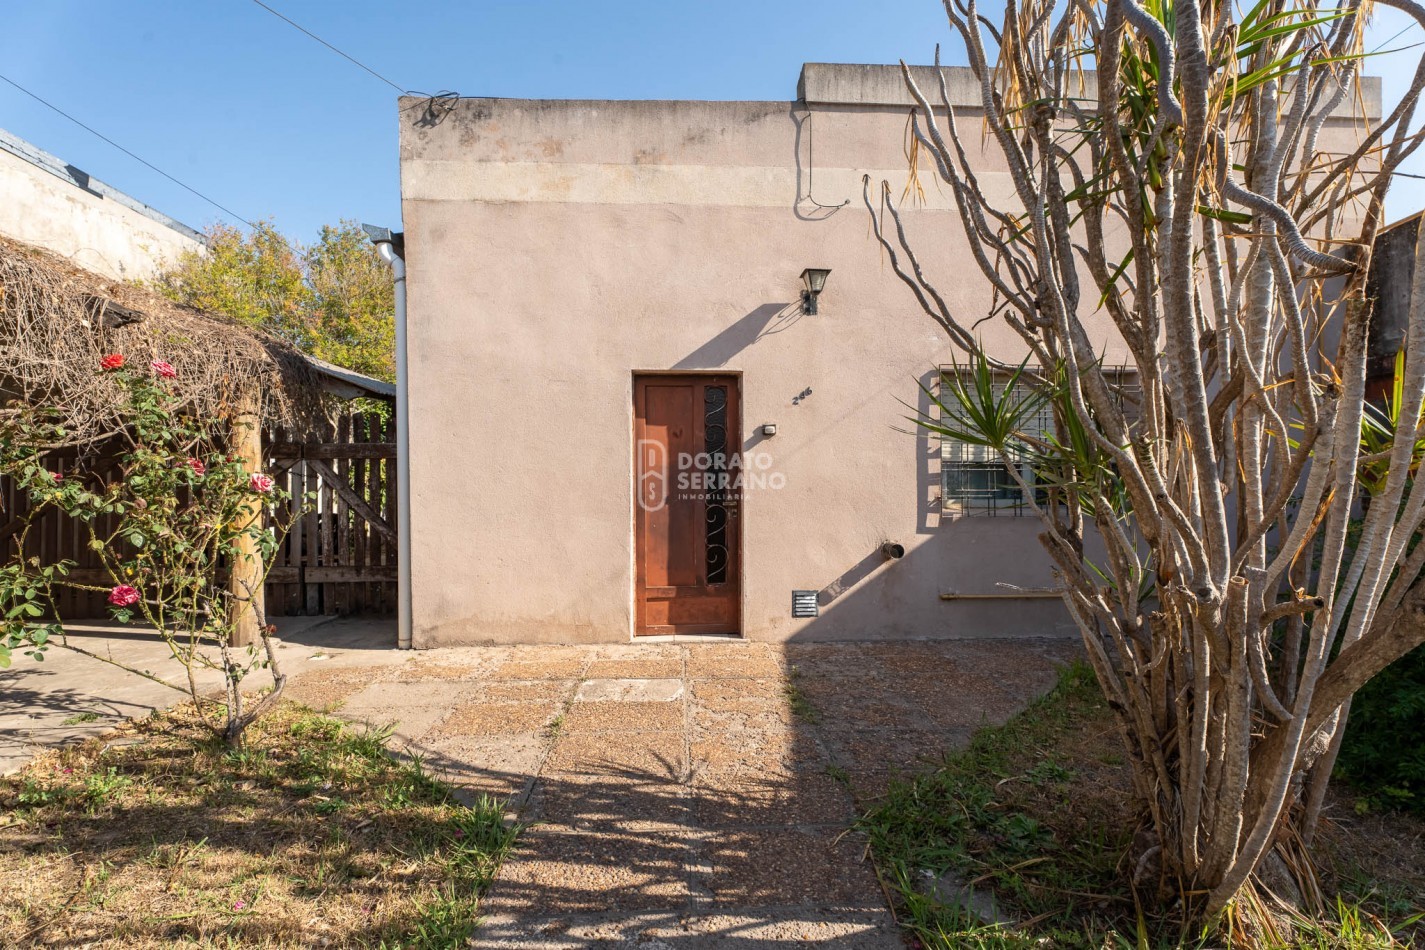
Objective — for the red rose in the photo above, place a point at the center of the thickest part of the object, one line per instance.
(57, 476)
(164, 368)
(196, 464)
(260, 482)
(124, 596)
(112, 361)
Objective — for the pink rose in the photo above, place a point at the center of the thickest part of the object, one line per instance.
(260, 482)
(57, 476)
(124, 596)
(164, 368)
(196, 464)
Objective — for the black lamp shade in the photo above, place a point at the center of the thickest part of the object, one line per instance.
(815, 278)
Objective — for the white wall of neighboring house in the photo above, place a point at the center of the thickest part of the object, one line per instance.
(49, 204)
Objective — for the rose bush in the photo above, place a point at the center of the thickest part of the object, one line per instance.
(166, 531)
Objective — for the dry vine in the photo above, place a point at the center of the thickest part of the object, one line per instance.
(57, 321)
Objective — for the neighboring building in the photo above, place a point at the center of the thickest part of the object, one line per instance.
(598, 288)
(48, 203)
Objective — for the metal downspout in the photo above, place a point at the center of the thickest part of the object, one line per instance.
(387, 250)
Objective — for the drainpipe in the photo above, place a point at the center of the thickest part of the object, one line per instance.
(391, 247)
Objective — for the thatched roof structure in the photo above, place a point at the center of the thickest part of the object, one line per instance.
(57, 321)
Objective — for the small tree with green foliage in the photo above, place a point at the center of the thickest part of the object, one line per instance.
(333, 298)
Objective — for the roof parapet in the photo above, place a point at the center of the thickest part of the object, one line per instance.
(858, 84)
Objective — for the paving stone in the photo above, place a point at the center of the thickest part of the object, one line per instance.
(555, 669)
(907, 750)
(681, 800)
(788, 867)
(761, 717)
(736, 694)
(488, 719)
(610, 802)
(653, 756)
(627, 668)
(405, 726)
(326, 689)
(911, 658)
(643, 690)
(500, 766)
(743, 929)
(725, 799)
(553, 873)
(521, 691)
(755, 751)
(421, 668)
(753, 661)
(869, 786)
(864, 708)
(623, 717)
(382, 697)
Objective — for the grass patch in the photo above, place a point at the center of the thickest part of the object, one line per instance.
(1036, 816)
(311, 835)
(797, 701)
(81, 718)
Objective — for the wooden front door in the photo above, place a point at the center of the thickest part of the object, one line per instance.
(687, 439)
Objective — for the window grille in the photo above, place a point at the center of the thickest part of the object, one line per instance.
(974, 480)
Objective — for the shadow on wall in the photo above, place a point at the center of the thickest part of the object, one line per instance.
(766, 320)
(973, 577)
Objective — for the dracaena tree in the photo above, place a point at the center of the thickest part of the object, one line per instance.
(1168, 173)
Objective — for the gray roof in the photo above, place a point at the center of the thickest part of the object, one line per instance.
(348, 383)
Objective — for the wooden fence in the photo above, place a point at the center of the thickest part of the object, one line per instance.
(340, 558)
(53, 538)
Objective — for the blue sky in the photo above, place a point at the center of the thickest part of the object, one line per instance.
(259, 117)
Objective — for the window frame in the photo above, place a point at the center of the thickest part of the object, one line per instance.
(1004, 499)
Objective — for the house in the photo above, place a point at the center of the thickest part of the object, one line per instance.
(633, 414)
(46, 202)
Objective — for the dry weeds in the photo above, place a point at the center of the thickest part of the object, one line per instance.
(311, 836)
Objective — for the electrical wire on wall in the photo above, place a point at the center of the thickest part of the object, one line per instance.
(805, 123)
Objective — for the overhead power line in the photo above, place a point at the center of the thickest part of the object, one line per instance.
(346, 56)
(138, 158)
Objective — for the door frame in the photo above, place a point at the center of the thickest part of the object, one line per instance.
(636, 575)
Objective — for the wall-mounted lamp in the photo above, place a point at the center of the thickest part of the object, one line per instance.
(770, 429)
(814, 279)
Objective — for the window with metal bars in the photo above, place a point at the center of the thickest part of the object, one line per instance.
(974, 480)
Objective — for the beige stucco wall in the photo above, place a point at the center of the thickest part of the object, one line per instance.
(556, 248)
(96, 232)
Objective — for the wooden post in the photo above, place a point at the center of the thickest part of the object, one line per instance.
(247, 565)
